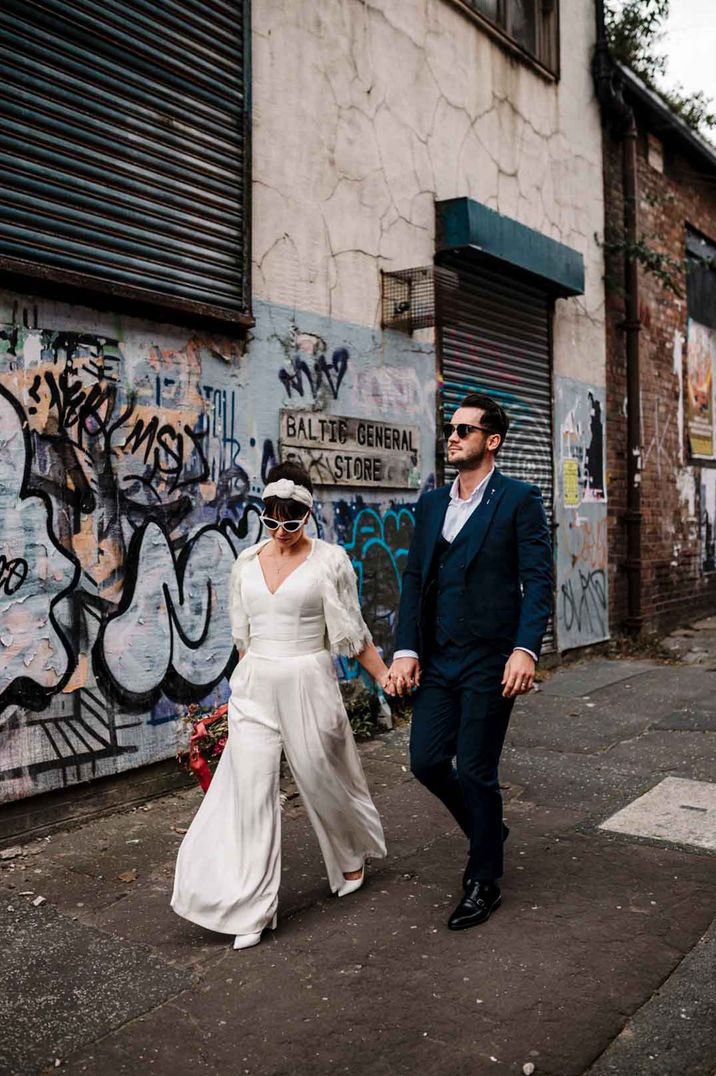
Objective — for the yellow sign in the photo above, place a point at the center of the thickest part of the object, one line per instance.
(570, 483)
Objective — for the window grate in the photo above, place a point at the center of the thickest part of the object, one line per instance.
(124, 159)
(408, 299)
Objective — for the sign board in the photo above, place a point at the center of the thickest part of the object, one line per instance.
(340, 451)
(570, 483)
(700, 361)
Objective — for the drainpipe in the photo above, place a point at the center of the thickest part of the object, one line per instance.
(619, 116)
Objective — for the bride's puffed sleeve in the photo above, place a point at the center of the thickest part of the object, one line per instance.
(237, 613)
(348, 634)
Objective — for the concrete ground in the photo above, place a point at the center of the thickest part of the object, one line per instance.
(600, 960)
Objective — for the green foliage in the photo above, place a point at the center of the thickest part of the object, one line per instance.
(662, 265)
(695, 109)
(635, 34)
(362, 707)
(667, 269)
(658, 198)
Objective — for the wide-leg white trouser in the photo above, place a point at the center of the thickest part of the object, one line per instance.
(229, 864)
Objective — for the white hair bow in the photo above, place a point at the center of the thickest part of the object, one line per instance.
(287, 490)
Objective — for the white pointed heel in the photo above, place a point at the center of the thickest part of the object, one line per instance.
(351, 884)
(246, 941)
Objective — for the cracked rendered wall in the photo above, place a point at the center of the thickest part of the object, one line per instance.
(367, 112)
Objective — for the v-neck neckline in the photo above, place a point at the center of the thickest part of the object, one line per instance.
(298, 567)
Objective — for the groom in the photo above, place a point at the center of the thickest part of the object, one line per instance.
(476, 598)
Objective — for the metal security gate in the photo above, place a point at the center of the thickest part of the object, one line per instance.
(494, 336)
(124, 148)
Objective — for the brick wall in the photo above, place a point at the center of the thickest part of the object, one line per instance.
(674, 587)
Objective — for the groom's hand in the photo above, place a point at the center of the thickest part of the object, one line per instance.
(519, 674)
(405, 675)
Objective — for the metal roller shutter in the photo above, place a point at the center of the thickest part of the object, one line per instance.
(494, 334)
(123, 148)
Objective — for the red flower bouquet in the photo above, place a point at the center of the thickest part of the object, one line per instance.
(209, 730)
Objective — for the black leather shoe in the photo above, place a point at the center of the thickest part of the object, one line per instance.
(477, 905)
(466, 880)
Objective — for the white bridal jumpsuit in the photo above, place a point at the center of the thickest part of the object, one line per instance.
(284, 694)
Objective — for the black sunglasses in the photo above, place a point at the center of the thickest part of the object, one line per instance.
(289, 525)
(462, 429)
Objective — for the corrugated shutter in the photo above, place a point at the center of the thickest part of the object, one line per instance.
(123, 148)
(494, 336)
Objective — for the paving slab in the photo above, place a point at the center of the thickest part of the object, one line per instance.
(589, 784)
(680, 754)
(574, 681)
(64, 985)
(680, 683)
(578, 726)
(688, 720)
(613, 713)
(675, 810)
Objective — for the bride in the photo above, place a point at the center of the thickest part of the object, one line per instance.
(293, 604)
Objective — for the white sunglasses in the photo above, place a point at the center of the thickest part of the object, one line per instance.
(289, 525)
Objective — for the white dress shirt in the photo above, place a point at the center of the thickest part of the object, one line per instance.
(458, 512)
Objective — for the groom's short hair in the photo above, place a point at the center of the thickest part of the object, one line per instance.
(494, 416)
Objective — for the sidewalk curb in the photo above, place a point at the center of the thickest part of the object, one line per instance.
(674, 1032)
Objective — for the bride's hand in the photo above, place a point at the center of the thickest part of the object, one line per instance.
(387, 683)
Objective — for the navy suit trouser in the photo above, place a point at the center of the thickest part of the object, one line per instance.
(459, 714)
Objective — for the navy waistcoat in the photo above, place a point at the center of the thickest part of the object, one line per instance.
(450, 598)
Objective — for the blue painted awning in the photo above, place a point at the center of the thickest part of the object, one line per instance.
(465, 224)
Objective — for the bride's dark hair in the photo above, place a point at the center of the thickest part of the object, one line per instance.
(277, 507)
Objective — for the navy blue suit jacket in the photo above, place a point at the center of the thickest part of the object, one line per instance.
(508, 568)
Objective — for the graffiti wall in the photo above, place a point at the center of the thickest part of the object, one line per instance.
(132, 458)
(580, 514)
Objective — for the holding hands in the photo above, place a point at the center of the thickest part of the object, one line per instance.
(403, 677)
